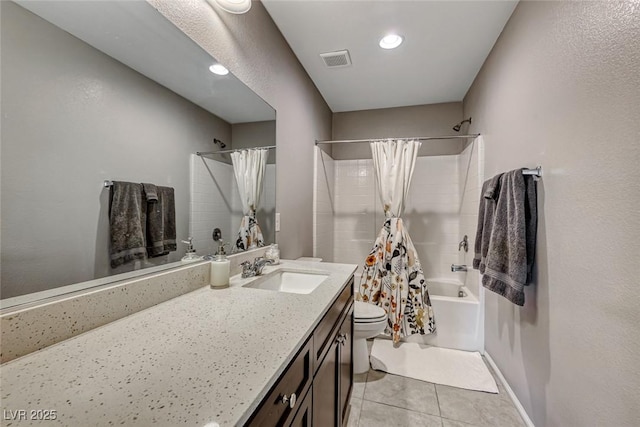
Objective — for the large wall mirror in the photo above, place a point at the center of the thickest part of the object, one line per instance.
(112, 91)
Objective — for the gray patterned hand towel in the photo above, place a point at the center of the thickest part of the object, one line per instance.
(127, 219)
(161, 223)
(511, 251)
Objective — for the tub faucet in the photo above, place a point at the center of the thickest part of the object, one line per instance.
(250, 269)
(455, 267)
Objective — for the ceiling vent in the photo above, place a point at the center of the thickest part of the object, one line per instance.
(336, 59)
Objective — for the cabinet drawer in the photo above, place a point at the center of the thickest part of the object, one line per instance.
(322, 334)
(275, 409)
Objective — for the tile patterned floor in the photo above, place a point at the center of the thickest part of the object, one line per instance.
(381, 399)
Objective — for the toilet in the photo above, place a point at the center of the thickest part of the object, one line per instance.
(368, 321)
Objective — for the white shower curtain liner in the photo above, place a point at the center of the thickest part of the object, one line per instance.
(249, 169)
(392, 276)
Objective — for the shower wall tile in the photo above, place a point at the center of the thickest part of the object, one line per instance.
(323, 211)
(211, 206)
(441, 207)
(471, 179)
(431, 212)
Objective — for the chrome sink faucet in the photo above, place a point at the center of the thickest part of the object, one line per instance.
(250, 269)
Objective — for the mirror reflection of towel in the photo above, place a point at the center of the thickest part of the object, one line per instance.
(127, 220)
(161, 223)
(150, 192)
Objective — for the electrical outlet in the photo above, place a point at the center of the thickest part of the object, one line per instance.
(277, 221)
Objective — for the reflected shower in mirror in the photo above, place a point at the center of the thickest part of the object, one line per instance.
(88, 95)
(217, 202)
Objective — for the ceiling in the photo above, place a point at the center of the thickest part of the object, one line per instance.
(136, 34)
(445, 45)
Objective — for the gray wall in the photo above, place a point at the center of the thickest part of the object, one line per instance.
(251, 46)
(420, 120)
(255, 134)
(73, 117)
(561, 89)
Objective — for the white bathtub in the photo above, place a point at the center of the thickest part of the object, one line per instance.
(457, 318)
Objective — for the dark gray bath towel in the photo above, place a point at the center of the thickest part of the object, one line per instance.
(127, 219)
(489, 196)
(150, 192)
(161, 224)
(509, 259)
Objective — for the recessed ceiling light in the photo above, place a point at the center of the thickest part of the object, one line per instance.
(233, 6)
(390, 41)
(219, 70)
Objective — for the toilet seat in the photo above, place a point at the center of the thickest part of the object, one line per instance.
(368, 313)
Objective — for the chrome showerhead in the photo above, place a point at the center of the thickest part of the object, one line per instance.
(220, 143)
(459, 125)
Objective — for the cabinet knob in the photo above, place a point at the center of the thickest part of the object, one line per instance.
(342, 338)
(290, 400)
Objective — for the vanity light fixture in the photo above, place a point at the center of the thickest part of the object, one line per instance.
(219, 70)
(391, 41)
(233, 6)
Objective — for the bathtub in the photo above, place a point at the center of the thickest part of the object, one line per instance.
(457, 317)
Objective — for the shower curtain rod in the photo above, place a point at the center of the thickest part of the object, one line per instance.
(202, 153)
(419, 138)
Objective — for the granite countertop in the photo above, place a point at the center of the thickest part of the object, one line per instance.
(206, 358)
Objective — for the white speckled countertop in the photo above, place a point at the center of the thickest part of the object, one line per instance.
(208, 356)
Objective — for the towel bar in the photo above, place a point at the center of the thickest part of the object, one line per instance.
(536, 172)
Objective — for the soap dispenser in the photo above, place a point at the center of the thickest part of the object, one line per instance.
(190, 255)
(220, 268)
(220, 265)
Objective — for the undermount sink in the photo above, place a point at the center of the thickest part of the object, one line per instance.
(295, 282)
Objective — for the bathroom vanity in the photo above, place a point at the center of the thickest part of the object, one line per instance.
(230, 357)
(316, 386)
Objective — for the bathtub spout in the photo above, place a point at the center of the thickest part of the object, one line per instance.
(455, 267)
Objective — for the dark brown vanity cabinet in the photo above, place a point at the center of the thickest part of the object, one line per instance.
(293, 387)
(345, 369)
(333, 380)
(315, 388)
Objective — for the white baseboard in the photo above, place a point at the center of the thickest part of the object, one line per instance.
(512, 395)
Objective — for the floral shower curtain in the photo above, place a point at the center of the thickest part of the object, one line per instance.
(249, 168)
(392, 277)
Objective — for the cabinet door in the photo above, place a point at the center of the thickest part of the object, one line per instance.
(303, 417)
(346, 364)
(326, 329)
(280, 406)
(325, 389)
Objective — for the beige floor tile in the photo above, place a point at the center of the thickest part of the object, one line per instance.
(452, 423)
(477, 408)
(401, 392)
(378, 415)
(354, 415)
(359, 381)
